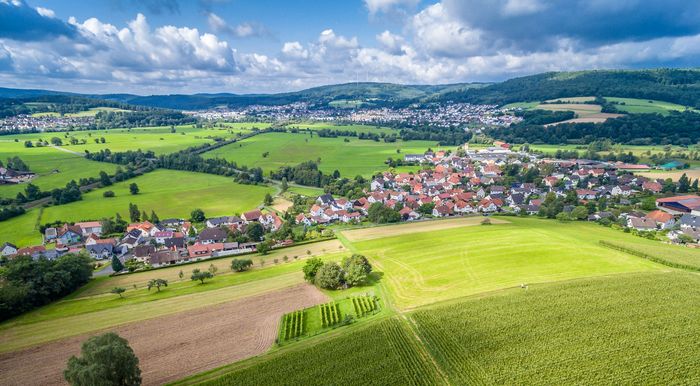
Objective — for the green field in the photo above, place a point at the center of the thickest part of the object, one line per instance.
(380, 353)
(158, 139)
(620, 330)
(357, 157)
(645, 106)
(357, 128)
(426, 267)
(54, 168)
(169, 193)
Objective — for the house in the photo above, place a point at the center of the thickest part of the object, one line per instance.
(161, 236)
(50, 234)
(652, 186)
(414, 157)
(212, 235)
(176, 242)
(164, 257)
(224, 221)
(8, 249)
(688, 221)
(143, 252)
(641, 223)
(69, 234)
(33, 251)
(10, 176)
(90, 227)
(132, 238)
(586, 194)
(662, 219)
(409, 214)
(302, 219)
(325, 199)
(442, 211)
(100, 251)
(253, 215)
(203, 251)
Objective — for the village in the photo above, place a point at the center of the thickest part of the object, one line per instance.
(494, 180)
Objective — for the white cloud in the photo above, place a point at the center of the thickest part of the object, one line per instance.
(384, 6)
(522, 7)
(46, 12)
(439, 34)
(243, 30)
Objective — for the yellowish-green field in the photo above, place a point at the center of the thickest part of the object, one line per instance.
(356, 128)
(356, 157)
(427, 267)
(169, 193)
(645, 106)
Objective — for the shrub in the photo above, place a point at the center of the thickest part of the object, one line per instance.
(108, 194)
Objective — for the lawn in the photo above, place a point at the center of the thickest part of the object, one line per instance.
(356, 157)
(54, 168)
(427, 267)
(617, 330)
(169, 193)
(645, 106)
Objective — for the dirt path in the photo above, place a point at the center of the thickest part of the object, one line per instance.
(175, 346)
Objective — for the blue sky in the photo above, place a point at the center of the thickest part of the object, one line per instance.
(174, 46)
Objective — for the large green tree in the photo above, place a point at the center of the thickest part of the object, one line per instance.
(329, 276)
(311, 268)
(106, 360)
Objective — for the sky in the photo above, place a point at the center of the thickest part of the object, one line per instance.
(266, 46)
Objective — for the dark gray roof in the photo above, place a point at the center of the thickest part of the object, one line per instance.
(689, 220)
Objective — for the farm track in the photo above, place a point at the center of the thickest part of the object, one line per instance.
(174, 346)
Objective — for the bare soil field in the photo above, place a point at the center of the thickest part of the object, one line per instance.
(672, 174)
(415, 227)
(281, 204)
(174, 346)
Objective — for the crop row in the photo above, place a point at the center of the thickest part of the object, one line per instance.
(330, 314)
(293, 325)
(364, 305)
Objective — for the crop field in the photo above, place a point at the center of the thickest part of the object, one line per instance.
(356, 157)
(645, 106)
(169, 193)
(379, 353)
(54, 168)
(672, 174)
(426, 267)
(671, 255)
(172, 346)
(94, 308)
(626, 329)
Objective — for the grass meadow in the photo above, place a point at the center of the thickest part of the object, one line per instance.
(645, 106)
(169, 193)
(427, 267)
(357, 128)
(356, 157)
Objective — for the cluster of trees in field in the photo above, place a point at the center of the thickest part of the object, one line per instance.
(335, 133)
(305, 173)
(678, 128)
(352, 271)
(111, 119)
(672, 85)
(70, 193)
(27, 283)
(106, 360)
(445, 136)
(543, 117)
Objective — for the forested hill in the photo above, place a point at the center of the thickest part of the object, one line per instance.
(681, 86)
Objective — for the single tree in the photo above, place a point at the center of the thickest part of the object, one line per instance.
(157, 283)
(255, 231)
(117, 265)
(213, 269)
(197, 215)
(268, 199)
(133, 188)
(106, 360)
(329, 276)
(118, 290)
(285, 184)
(264, 247)
(104, 179)
(181, 274)
(154, 217)
(134, 213)
(201, 275)
(240, 265)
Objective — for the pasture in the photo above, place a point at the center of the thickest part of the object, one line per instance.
(158, 139)
(426, 267)
(54, 168)
(346, 127)
(623, 329)
(169, 193)
(356, 157)
(645, 106)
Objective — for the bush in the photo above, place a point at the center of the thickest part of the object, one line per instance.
(240, 265)
(108, 194)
